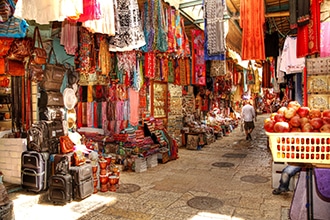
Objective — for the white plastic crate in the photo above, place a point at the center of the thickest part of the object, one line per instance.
(300, 147)
(152, 161)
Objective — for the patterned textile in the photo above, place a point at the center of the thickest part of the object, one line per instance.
(215, 26)
(104, 57)
(218, 68)
(308, 37)
(129, 34)
(149, 32)
(149, 65)
(252, 14)
(199, 67)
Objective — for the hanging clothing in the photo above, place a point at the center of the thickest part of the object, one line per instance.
(215, 27)
(266, 74)
(293, 14)
(308, 37)
(69, 37)
(134, 107)
(128, 34)
(199, 67)
(325, 40)
(290, 63)
(104, 57)
(303, 15)
(45, 11)
(91, 10)
(105, 24)
(271, 44)
(252, 14)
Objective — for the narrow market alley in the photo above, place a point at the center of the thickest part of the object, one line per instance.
(229, 179)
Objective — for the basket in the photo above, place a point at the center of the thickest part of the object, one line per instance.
(300, 147)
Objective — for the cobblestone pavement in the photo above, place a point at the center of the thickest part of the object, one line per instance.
(228, 179)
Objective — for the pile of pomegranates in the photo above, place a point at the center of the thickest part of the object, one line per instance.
(297, 118)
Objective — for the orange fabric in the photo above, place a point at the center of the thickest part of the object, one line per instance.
(2, 66)
(252, 14)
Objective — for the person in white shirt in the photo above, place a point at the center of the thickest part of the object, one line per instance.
(249, 116)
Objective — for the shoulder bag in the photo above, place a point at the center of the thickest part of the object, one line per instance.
(53, 75)
(39, 54)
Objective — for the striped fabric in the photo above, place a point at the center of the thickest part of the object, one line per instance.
(14, 27)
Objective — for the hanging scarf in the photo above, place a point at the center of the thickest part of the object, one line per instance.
(134, 107)
(129, 34)
(215, 27)
(149, 65)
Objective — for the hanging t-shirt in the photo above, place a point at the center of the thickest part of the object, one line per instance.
(289, 61)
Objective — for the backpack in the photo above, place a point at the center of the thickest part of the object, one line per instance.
(37, 137)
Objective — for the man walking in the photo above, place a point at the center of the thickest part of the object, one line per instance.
(248, 115)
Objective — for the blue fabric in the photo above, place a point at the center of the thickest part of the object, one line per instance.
(14, 27)
(288, 172)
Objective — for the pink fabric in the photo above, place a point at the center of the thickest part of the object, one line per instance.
(89, 113)
(325, 40)
(134, 107)
(69, 36)
(91, 10)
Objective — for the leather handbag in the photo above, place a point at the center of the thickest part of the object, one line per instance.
(15, 67)
(39, 54)
(53, 75)
(66, 145)
(79, 158)
(20, 49)
(5, 43)
(36, 73)
(50, 98)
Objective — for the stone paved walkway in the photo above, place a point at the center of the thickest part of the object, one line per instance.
(229, 179)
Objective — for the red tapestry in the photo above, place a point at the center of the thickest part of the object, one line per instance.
(308, 36)
(198, 62)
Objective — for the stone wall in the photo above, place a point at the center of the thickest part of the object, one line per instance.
(10, 158)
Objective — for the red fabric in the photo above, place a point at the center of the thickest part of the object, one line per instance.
(149, 65)
(252, 14)
(308, 36)
(79, 115)
(199, 67)
(95, 118)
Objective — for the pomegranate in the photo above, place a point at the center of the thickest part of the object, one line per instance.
(326, 113)
(315, 113)
(282, 110)
(282, 127)
(269, 125)
(279, 117)
(294, 104)
(303, 111)
(289, 113)
(325, 129)
(295, 121)
(316, 123)
(307, 128)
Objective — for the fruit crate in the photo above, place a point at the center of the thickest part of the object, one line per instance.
(300, 147)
